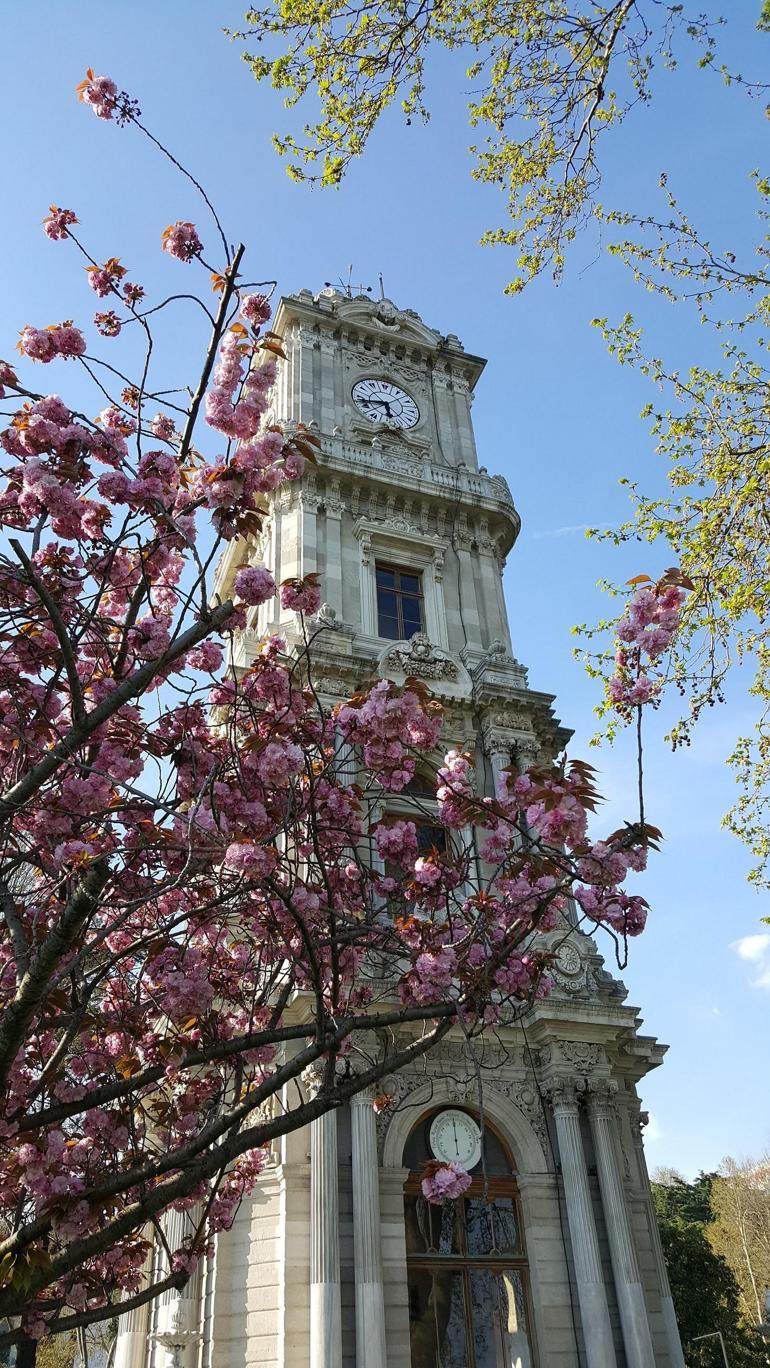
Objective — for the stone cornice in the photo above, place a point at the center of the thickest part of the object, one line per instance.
(380, 327)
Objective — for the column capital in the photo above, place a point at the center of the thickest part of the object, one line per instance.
(564, 1095)
(601, 1097)
(364, 1098)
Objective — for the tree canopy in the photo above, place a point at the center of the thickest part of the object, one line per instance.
(548, 80)
(704, 1286)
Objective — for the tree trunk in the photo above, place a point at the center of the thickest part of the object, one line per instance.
(26, 1353)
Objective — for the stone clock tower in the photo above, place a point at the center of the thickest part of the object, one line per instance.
(336, 1262)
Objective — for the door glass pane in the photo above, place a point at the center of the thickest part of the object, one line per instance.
(500, 1338)
(431, 1229)
(437, 1332)
(491, 1227)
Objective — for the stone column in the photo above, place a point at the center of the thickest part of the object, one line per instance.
(370, 1300)
(594, 1315)
(666, 1300)
(625, 1265)
(325, 1312)
(331, 585)
(131, 1345)
(178, 1319)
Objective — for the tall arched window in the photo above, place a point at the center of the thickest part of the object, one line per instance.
(467, 1266)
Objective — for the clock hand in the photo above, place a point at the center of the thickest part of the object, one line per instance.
(454, 1130)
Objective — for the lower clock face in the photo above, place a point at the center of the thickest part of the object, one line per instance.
(455, 1138)
(382, 402)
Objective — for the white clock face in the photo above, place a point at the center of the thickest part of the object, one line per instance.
(455, 1137)
(382, 402)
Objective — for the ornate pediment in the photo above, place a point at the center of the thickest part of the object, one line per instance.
(382, 316)
(420, 658)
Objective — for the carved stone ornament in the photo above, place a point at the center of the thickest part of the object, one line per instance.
(418, 657)
(581, 1054)
(327, 617)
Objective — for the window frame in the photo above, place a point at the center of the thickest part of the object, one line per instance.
(463, 1263)
(424, 554)
(397, 570)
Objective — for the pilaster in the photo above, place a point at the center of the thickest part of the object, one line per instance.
(594, 1312)
(370, 1303)
(325, 1305)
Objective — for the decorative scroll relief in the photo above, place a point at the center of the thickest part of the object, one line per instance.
(416, 1091)
(418, 657)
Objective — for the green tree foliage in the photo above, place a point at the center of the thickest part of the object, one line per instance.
(740, 1229)
(547, 79)
(712, 430)
(705, 1293)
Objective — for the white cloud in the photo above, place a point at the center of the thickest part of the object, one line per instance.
(570, 530)
(753, 947)
(756, 950)
(652, 1131)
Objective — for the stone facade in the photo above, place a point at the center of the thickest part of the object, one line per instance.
(316, 1273)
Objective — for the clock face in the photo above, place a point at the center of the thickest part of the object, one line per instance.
(455, 1137)
(382, 402)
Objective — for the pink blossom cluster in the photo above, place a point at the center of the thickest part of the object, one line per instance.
(239, 416)
(107, 322)
(181, 240)
(455, 787)
(254, 584)
(163, 428)
(105, 279)
(100, 93)
(444, 1182)
(391, 724)
(255, 308)
(44, 344)
(301, 595)
(57, 223)
(396, 842)
(7, 377)
(645, 633)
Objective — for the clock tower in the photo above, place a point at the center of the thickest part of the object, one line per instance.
(552, 1259)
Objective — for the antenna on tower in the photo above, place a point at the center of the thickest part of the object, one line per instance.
(347, 287)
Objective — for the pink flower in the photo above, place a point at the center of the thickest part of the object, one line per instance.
(301, 595)
(254, 584)
(208, 656)
(57, 221)
(104, 279)
(181, 240)
(397, 842)
(444, 1182)
(37, 343)
(7, 377)
(108, 323)
(162, 427)
(255, 308)
(100, 93)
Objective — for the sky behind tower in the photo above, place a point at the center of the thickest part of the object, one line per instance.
(553, 412)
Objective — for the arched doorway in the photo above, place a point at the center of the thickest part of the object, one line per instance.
(467, 1273)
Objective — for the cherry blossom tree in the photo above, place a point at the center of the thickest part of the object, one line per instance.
(201, 901)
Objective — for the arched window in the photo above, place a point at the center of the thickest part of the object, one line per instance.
(467, 1266)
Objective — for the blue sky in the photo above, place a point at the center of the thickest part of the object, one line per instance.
(553, 412)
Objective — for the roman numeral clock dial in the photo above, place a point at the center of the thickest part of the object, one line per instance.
(382, 402)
